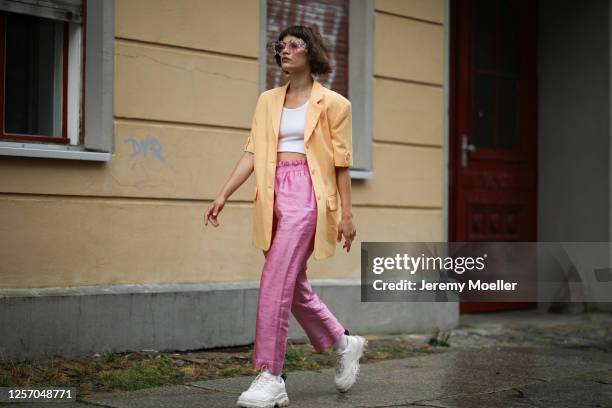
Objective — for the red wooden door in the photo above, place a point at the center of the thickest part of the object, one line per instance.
(493, 126)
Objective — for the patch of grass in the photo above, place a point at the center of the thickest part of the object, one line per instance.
(33, 375)
(513, 339)
(110, 354)
(8, 381)
(293, 356)
(235, 370)
(439, 338)
(144, 374)
(296, 359)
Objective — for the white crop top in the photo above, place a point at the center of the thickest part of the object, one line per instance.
(291, 132)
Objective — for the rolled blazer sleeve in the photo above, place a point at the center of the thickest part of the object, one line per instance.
(341, 130)
(249, 144)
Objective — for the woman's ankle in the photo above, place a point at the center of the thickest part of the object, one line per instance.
(341, 343)
(279, 377)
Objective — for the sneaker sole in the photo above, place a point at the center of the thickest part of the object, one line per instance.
(364, 344)
(281, 401)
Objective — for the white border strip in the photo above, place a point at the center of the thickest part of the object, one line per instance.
(50, 151)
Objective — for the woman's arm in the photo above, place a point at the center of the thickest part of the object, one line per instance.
(341, 129)
(346, 227)
(242, 171)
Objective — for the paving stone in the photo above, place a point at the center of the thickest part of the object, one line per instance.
(592, 389)
(175, 396)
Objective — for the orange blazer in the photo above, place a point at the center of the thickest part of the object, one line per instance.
(327, 143)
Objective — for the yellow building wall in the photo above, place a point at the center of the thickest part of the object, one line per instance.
(185, 87)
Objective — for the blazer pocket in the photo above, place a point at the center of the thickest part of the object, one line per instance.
(332, 202)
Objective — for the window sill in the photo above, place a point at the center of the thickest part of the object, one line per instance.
(361, 174)
(50, 151)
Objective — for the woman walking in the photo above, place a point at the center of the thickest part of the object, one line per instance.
(300, 150)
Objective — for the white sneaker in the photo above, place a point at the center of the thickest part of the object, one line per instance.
(265, 391)
(347, 363)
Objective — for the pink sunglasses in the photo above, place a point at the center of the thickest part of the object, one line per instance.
(292, 46)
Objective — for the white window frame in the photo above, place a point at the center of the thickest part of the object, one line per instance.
(98, 93)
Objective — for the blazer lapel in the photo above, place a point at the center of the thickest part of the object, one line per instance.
(315, 107)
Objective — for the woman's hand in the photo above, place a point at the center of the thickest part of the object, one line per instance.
(347, 229)
(213, 211)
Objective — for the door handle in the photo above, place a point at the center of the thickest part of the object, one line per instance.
(465, 148)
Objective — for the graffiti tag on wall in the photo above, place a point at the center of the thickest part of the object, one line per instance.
(141, 147)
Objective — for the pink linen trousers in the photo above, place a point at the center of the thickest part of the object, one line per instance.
(283, 285)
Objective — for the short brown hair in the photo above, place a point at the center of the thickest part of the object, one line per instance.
(318, 56)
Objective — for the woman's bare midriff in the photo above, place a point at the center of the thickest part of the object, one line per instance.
(289, 156)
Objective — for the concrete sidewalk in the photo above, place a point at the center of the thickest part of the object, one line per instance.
(512, 359)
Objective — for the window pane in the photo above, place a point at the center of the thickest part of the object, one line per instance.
(507, 123)
(483, 110)
(33, 75)
(508, 44)
(483, 34)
